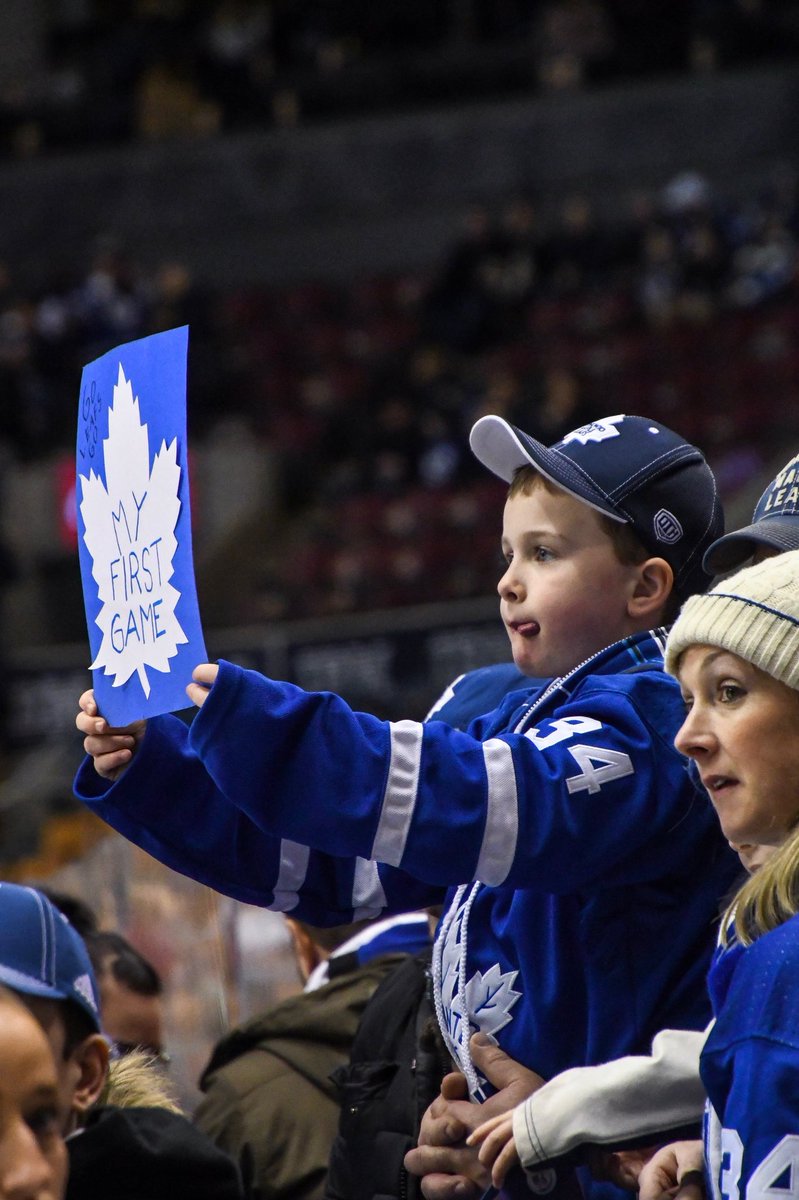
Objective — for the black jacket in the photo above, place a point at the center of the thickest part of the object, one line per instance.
(394, 1074)
(147, 1154)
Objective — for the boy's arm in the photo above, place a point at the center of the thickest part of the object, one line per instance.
(594, 791)
(165, 802)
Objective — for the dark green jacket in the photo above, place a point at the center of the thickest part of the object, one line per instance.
(269, 1101)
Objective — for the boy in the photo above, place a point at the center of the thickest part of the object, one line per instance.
(587, 871)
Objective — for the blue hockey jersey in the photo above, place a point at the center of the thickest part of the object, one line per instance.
(587, 868)
(478, 692)
(750, 1069)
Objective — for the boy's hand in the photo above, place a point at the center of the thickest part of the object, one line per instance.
(203, 676)
(112, 749)
(450, 1168)
(497, 1146)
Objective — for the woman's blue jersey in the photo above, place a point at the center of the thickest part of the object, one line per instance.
(750, 1069)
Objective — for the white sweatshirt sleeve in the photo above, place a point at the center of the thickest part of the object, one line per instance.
(614, 1102)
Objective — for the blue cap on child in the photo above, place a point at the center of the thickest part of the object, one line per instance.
(41, 954)
(775, 524)
(633, 470)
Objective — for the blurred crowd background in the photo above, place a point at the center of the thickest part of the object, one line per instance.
(145, 69)
(380, 221)
(361, 394)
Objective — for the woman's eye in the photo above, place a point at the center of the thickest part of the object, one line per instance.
(729, 692)
(44, 1121)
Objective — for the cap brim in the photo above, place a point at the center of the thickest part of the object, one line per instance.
(499, 447)
(26, 985)
(504, 449)
(736, 548)
(18, 981)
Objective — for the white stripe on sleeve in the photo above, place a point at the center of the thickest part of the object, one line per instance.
(368, 897)
(502, 815)
(399, 798)
(293, 868)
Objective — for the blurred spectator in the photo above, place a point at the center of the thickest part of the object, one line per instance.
(269, 1099)
(168, 104)
(455, 305)
(130, 994)
(130, 988)
(80, 916)
(235, 54)
(574, 39)
(763, 266)
(560, 406)
(659, 281)
(577, 255)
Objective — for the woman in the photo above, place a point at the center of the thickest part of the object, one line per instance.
(735, 651)
(33, 1156)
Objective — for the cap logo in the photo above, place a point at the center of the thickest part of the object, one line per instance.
(595, 431)
(783, 495)
(667, 528)
(82, 985)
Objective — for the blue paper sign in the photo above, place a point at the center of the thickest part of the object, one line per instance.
(134, 528)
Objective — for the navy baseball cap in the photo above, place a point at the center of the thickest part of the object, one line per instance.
(631, 469)
(775, 523)
(41, 954)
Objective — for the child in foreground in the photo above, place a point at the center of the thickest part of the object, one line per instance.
(581, 874)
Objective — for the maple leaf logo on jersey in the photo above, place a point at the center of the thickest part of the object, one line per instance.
(595, 431)
(489, 996)
(489, 999)
(130, 534)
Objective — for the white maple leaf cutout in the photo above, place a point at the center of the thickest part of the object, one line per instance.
(130, 534)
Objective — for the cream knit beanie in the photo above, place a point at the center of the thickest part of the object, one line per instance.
(754, 614)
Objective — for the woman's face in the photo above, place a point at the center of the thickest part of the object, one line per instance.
(742, 731)
(33, 1156)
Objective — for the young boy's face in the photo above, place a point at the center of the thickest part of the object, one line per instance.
(564, 594)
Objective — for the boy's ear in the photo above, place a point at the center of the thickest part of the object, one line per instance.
(91, 1059)
(652, 591)
(306, 951)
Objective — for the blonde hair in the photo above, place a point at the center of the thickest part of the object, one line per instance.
(134, 1081)
(769, 898)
